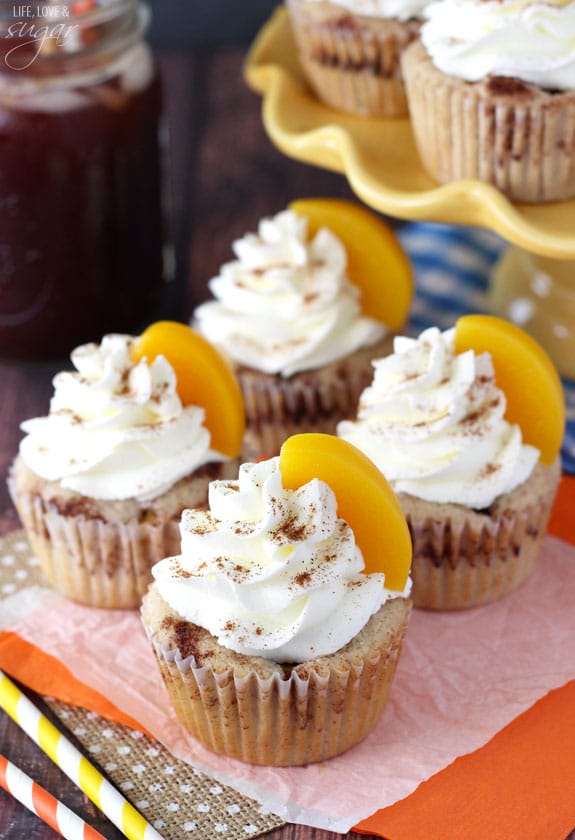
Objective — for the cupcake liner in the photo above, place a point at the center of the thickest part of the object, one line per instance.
(101, 564)
(312, 401)
(352, 62)
(101, 552)
(306, 717)
(469, 559)
(515, 136)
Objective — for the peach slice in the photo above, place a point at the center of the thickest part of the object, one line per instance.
(525, 374)
(204, 378)
(377, 264)
(364, 499)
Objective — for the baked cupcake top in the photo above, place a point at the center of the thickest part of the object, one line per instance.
(116, 428)
(433, 422)
(286, 304)
(272, 572)
(522, 39)
(399, 9)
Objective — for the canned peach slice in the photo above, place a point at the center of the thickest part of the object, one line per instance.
(525, 374)
(376, 261)
(204, 378)
(365, 499)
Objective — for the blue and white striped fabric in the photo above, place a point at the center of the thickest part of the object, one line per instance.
(452, 267)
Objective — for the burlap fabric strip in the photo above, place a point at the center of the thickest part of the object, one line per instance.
(178, 800)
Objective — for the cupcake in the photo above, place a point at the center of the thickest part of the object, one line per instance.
(350, 51)
(491, 91)
(476, 496)
(293, 325)
(274, 644)
(101, 481)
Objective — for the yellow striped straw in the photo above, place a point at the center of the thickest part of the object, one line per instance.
(71, 761)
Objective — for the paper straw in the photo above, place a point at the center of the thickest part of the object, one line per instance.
(71, 761)
(43, 804)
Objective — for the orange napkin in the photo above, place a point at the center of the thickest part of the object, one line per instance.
(50, 677)
(562, 523)
(477, 797)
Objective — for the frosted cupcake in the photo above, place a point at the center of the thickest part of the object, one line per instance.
(491, 89)
(350, 51)
(101, 481)
(274, 644)
(293, 325)
(477, 498)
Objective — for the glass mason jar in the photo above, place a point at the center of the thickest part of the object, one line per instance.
(81, 228)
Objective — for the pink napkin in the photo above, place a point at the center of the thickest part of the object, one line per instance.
(461, 678)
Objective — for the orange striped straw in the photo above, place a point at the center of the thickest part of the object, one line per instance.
(54, 813)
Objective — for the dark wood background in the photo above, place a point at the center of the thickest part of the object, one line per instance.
(188, 23)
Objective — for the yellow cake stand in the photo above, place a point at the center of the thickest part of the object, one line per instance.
(380, 160)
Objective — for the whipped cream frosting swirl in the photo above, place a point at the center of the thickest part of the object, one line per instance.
(527, 40)
(433, 422)
(285, 305)
(399, 9)
(271, 572)
(116, 429)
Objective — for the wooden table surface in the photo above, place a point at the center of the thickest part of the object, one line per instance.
(224, 176)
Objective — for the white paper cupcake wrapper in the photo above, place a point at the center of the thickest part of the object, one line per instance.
(278, 407)
(275, 721)
(96, 563)
(456, 566)
(352, 62)
(523, 144)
